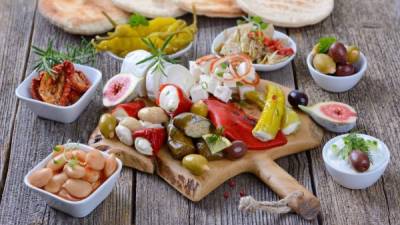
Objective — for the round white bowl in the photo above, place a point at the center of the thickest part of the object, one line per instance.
(259, 67)
(76, 208)
(352, 179)
(171, 56)
(338, 83)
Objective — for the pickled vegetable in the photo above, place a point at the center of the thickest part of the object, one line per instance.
(237, 150)
(204, 150)
(195, 163)
(107, 125)
(192, 124)
(256, 98)
(199, 108)
(178, 143)
(324, 64)
(126, 38)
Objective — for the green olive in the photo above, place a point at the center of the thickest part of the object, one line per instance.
(107, 125)
(324, 64)
(353, 54)
(195, 163)
(200, 108)
(315, 49)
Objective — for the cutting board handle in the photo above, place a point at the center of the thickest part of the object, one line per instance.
(307, 206)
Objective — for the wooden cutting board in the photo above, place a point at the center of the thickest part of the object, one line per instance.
(260, 163)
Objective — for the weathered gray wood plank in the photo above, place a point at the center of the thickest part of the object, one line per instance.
(157, 202)
(32, 141)
(15, 15)
(375, 98)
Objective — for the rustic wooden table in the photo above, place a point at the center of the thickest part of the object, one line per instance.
(144, 199)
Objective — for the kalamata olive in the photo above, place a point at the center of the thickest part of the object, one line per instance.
(338, 52)
(237, 150)
(110, 166)
(107, 125)
(324, 64)
(195, 163)
(353, 54)
(91, 175)
(199, 108)
(56, 182)
(95, 160)
(297, 98)
(77, 188)
(74, 171)
(345, 69)
(40, 177)
(359, 160)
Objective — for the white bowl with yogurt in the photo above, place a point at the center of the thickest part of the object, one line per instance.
(343, 172)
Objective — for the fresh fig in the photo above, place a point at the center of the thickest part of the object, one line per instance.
(121, 88)
(333, 116)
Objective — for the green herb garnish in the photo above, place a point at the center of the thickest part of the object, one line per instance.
(352, 142)
(239, 84)
(84, 53)
(224, 66)
(255, 20)
(220, 74)
(137, 19)
(158, 55)
(57, 149)
(325, 43)
(216, 136)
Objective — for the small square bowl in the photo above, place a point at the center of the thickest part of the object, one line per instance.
(76, 208)
(63, 114)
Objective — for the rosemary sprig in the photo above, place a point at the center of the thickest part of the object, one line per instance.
(84, 53)
(158, 55)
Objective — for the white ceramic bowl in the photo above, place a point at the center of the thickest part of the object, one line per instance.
(338, 83)
(63, 114)
(259, 67)
(171, 56)
(352, 179)
(76, 208)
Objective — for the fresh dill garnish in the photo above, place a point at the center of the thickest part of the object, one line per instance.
(84, 53)
(158, 55)
(352, 142)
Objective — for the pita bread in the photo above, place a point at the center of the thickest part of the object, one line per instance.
(288, 13)
(212, 8)
(151, 8)
(82, 17)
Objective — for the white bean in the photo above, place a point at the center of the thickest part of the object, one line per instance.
(153, 115)
(75, 171)
(56, 182)
(64, 194)
(78, 188)
(40, 177)
(111, 166)
(131, 123)
(79, 154)
(91, 175)
(95, 160)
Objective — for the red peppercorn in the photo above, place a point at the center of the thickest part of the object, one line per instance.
(242, 193)
(226, 195)
(231, 183)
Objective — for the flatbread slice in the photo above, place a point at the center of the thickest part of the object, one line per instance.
(288, 13)
(151, 8)
(212, 8)
(82, 17)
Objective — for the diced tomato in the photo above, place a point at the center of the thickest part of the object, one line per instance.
(286, 51)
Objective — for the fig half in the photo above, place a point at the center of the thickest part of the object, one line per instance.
(121, 88)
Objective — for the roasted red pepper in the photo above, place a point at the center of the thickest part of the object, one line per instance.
(156, 137)
(238, 126)
(184, 103)
(128, 109)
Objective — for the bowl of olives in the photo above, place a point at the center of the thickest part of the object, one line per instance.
(334, 66)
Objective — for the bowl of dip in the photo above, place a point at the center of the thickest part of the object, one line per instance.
(342, 170)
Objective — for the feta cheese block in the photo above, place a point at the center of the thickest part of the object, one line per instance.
(197, 93)
(209, 82)
(223, 93)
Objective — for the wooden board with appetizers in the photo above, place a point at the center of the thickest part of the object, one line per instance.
(194, 127)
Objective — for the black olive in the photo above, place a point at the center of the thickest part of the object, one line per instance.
(297, 98)
(359, 160)
(236, 150)
(345, 69)
(338, 52)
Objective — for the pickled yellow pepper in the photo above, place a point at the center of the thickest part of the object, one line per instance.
(271, 117)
